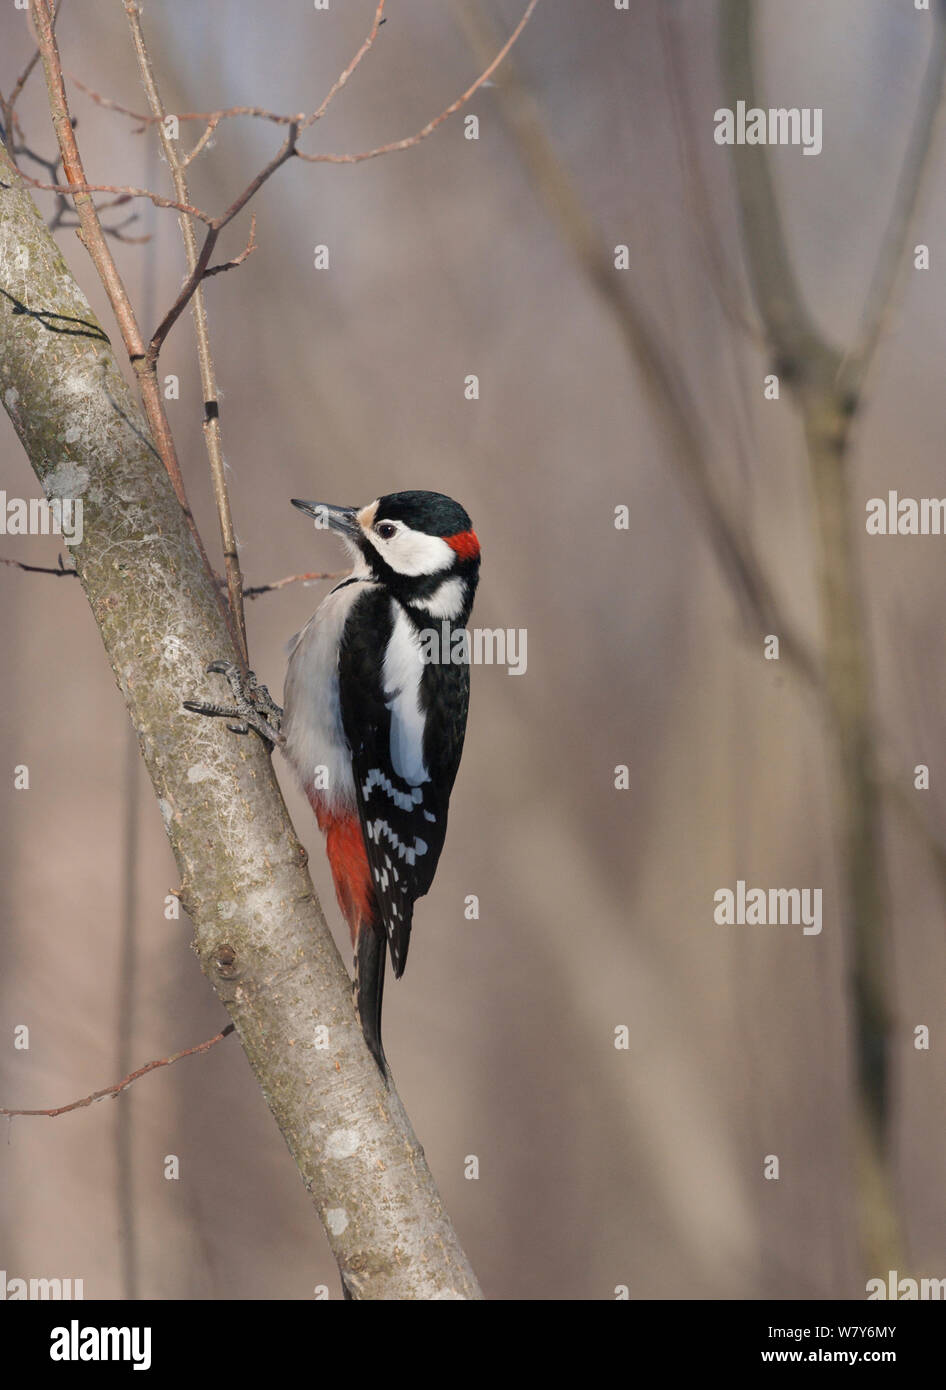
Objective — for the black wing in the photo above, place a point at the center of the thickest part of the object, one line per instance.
(403, 818)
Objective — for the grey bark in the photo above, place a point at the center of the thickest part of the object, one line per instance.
(259, 930)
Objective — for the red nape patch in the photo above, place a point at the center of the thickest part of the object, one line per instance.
(465, 544)
(345, 847)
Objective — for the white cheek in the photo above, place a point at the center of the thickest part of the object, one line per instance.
(413, 553)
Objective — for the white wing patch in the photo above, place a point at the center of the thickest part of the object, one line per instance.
(403, 669)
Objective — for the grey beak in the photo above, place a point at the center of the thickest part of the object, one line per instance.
(344, 520)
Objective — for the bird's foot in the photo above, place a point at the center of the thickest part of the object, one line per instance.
(253, 707)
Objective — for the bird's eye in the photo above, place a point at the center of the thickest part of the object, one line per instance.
(386, 530)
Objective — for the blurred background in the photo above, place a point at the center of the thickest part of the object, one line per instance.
(599, 1166)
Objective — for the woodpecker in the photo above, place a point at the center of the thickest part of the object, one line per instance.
(375, 716)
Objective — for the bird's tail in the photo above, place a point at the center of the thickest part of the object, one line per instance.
(370, 951)
(344, 843)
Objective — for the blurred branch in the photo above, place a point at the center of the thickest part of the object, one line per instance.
(259, 931)
(826, 391)
(910, 183)
(126, 1081)
(719, 272)
(662, 374)
(8, 119)
(648, 349)
(65, 212)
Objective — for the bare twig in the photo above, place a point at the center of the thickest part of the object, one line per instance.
(7, 105)
(211, 127)
(255, 591)
(286, 150)
(213, 118)
(78, 188)
(146, 119)
(260, 589)
(59, 573)
(126, 1081)
(346, 72)
(208, 375)
(408, 143)
(296, 123)
(248, 250)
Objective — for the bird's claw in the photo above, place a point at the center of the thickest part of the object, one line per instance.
(253, 707)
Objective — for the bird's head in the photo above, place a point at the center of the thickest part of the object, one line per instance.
(420, 545)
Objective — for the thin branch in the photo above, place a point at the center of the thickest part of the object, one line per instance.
(286, 150)
(24, 77)
(213, 118)
(76, 188)
(256, 591)
(296, 124)
(198, 268)
(59, 573)
(260, 589)
(247, 251)
(7, 113)
(211, 127)
(408, 143)
(347, 72)
(126, 1081)
(146, 119)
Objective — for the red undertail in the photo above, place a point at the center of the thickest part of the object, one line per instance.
(345, 847)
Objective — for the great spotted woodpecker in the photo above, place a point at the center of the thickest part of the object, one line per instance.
(375, 716)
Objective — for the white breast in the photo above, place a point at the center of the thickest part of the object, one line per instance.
(312, 722)
(403, 670)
